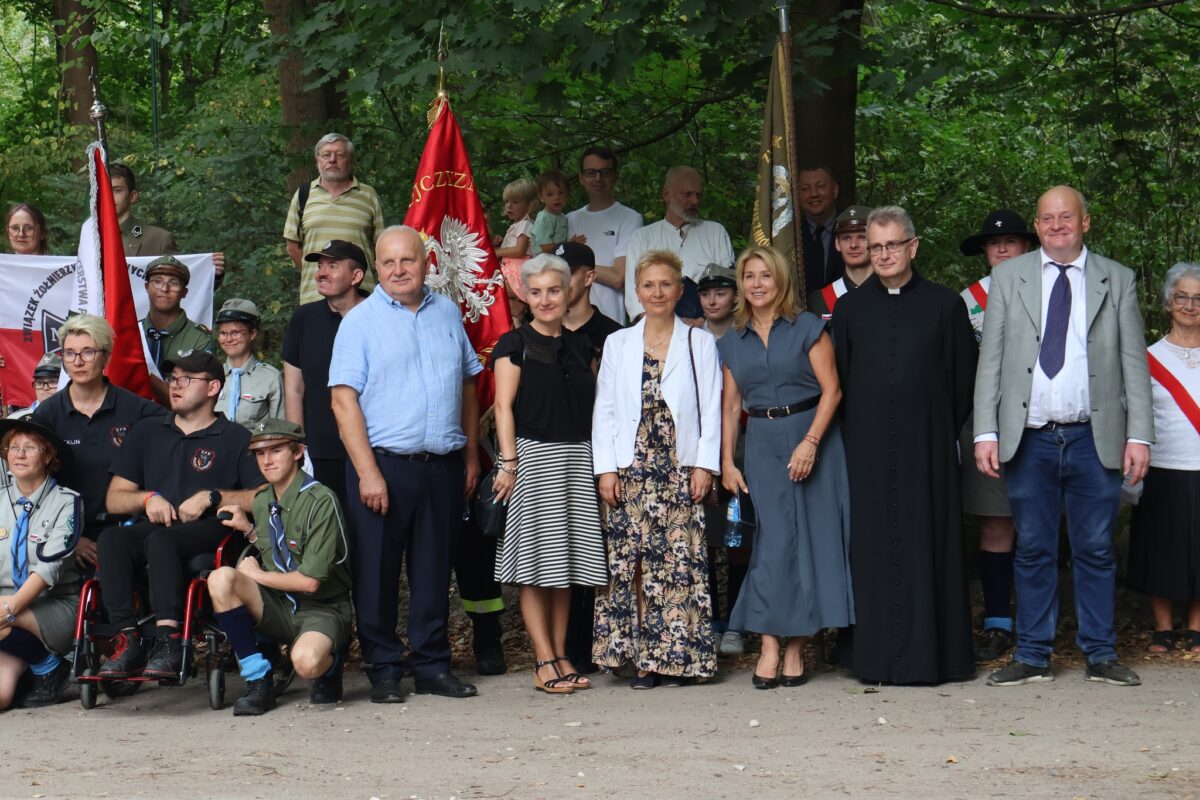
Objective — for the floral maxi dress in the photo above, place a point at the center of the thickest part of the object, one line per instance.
(658, 527)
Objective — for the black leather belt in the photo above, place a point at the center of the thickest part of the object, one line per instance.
(778, 412)
(422, 456)
(1059, 426)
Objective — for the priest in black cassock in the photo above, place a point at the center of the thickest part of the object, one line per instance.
(906, 357)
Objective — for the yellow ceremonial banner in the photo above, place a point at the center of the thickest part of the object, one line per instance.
(774, 212)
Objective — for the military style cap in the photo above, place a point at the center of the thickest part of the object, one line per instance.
(196, 361)
(576, 255)
(169, 265)
(237, 309)
(716, 276)
(853, 218)
(339, 248)
(1001, 222)
(49, 366)
(266, 432)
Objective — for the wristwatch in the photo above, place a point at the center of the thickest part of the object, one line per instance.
(11, 617)
(214, 499)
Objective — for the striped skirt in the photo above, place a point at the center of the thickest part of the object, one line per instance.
(552, 534)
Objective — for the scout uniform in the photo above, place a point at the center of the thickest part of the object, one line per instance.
(182, 337)
(146, 240)
(301, 531)
(48, 369)
(253, 391)
(822, 301)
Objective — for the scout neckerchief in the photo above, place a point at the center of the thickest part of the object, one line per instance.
(1179, 393)
(20, 541)
(280, 553)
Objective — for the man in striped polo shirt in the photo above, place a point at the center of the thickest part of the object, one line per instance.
(334, 206)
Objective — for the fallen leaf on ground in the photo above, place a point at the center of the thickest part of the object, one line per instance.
(951, 759)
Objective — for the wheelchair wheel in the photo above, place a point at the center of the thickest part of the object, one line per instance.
(216, 688)
(87, 690)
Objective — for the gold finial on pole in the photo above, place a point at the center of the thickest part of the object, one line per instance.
(442, 96)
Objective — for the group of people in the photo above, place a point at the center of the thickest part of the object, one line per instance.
(860, 431)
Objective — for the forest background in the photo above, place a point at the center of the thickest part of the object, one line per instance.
(948, 108)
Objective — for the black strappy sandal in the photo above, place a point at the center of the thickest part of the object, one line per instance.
(559, 685)
(574, 678)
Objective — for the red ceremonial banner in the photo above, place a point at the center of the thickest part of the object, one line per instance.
(446, 209)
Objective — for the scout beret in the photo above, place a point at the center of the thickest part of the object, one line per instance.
(272, 429)
(169, 265)
(196, 361)
(339, 248)
(853, 218)
(48, 367)
(576, 254)
(1001, 222)
(237, 309)
(716, 276)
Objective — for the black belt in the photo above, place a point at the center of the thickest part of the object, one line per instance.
(1058, 426)
(422, 456)
(778, 412)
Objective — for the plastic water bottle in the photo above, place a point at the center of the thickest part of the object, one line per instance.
(733, 522)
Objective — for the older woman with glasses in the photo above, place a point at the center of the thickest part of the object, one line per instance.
(27, 232)
(39, 588)
(1164, 545)
(93, 416)
(656, 449)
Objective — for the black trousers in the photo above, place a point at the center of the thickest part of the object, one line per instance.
(331, 472)
(475, 570)
(419, 530)
(124, 551)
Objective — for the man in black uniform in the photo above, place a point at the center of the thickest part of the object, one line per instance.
(174, 471)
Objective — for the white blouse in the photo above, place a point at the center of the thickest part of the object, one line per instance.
(1176, 442)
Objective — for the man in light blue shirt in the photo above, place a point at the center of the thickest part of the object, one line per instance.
(403, 385)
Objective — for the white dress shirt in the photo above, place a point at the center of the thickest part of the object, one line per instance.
(1065, 397)
(697, 244)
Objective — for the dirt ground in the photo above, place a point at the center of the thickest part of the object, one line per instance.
(831, 738)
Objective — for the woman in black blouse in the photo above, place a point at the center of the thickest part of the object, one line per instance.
(545, 386)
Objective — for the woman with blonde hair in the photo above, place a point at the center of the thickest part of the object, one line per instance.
(779, 368)
(656, 451)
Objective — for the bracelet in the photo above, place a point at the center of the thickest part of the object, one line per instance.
(814, 441)
(507, 471)
(146, 499)
(504, 460)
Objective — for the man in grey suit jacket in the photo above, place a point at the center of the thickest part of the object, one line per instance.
(1062, 398)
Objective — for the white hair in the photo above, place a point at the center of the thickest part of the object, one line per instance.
(331, 138)
(886, 215)
(1175, 274)
(545, 262)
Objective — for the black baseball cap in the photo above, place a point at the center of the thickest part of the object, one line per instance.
(196, 361)
(339, 248)
(576, 255)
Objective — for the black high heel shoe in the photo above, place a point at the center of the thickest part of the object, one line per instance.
(764, 683)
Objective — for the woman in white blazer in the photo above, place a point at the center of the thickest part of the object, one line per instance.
(656, 429)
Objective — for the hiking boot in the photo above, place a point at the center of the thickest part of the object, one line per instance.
(1113, 673)
(128, 657)
(166, 659)
(991, 644)
(48, 689)
(1018, 673)
(489, 651)
(258, 699)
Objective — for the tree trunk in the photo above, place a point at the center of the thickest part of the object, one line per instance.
(306, 112)
(164, 57)
(73, 29)
(825, 116)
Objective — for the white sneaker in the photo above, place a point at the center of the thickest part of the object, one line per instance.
(732, 644)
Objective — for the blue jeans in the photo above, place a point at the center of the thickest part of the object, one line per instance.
(1053, 470)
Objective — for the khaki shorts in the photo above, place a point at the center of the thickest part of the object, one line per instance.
(284, 626)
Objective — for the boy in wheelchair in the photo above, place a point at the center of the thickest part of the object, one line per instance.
(300, 592)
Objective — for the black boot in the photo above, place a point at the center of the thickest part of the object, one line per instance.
(166, 660)
(258, 699)
(128, 656)
(48, 689)
(489, 650)
(328, 688)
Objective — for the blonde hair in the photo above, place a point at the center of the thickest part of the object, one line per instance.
(663, 258)
(88, 325)
(781, 273)
(522, 190)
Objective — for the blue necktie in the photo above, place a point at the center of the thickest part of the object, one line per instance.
(280, 554)
(1058, 318)
(20, 548)
(235, 392)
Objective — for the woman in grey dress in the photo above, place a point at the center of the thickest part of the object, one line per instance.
(779, 367)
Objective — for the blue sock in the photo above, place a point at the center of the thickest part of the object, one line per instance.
(239, 630)
(254, 667)
(1003, 623)
(46, 665)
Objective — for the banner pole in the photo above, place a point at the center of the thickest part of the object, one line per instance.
(789, 101)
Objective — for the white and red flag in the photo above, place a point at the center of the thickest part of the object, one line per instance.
(446, 210)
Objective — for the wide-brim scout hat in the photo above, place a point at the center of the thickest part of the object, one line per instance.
(715, 276)
(339, 249)
(168, 265)
(1001, 222)
(272, 431)
(853, 218)
(196, 361)
(49, 366)
(26, 425)
(237, 309)
(576, 254)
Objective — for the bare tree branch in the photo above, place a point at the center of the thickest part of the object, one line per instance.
(1052, 16)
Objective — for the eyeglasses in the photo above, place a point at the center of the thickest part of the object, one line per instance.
(891, 247)
(88, 354)
(1182, 300)
(43, 385)
(17, 230)
(605, 172)
(184, 381)
(24, 450)
(166, 284)
(236, 333)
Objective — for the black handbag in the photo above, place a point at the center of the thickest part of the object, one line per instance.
(489, 515)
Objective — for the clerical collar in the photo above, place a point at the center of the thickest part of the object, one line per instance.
(905, 289)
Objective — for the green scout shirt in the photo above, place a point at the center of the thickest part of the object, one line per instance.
(314, 532)
(182, 337)
(146, 240)
(261, 394)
